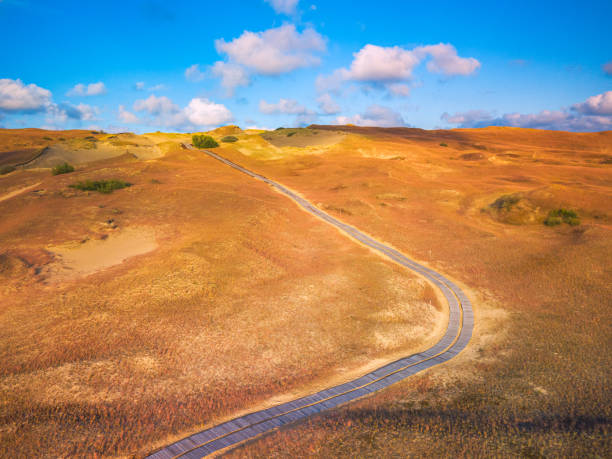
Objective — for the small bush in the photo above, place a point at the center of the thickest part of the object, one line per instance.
(506, 202)
(47, 138)
(557, 216)
(101, 186)
(204, 141)
(64, 168)
(6, 169)
(289, 134)
(442, 144)
(279, 128)
(229, 138)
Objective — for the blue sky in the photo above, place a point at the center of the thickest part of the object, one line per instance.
(147, 65)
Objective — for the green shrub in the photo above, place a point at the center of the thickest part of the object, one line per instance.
(204, 141)
(47, 138)
(506, 202)
(6, 169)
(442, 144)
(289, 134)
(552, 221)
(279, 128)
(558, 216)
(101, 186)
(229, 138)
(64, 168)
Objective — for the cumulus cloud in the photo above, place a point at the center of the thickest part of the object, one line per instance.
(156, 105)
(303, 115)
(469, 118)
(375, 115)
(92, 89)
(199, 113)
(382, 64)
(274, 51)
(194, 73)
(126, 116)
(18, 97)
(204, 113)
(231, 75)
(283, 6)
(286, 106)
(79, 112)
(139, 86)
(393, 66)
(444, 59)
(595, 114)
(607, 68)
(601, 104)
(328, 105)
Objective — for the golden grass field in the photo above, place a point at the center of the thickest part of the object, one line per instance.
(535, 380)
(135, 318)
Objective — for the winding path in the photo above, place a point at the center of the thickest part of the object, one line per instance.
(455, 339)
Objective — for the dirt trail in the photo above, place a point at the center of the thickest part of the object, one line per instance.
(19, 191)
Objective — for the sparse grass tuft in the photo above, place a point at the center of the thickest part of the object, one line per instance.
(557, 216)
(101, 186)
(63, 168)
(204, 141)
(229, 139)
(442, 144)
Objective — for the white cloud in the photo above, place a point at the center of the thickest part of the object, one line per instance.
(607, 68)
(399, 89)
(156, 105)
(274, 51)
(92, 89)
(283, 6)
(126, 116)
(601, 104)
(139, 86)
(471, 117)
(204, 113)
(328, 105)
(194, 73)
(379, 64)
(392, 67)
(304, 116)
(81, 111)
(595, 114)
(287, 106)
(232, 75)
(18, 97)
(444, 59)
(197, 114)
(375, 115)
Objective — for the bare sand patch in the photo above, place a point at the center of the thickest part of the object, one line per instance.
(77, 258)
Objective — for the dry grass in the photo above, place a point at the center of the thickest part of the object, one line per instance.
(534, 384)
(244, 298)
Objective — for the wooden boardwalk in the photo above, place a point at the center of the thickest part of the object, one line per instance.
(455, 339)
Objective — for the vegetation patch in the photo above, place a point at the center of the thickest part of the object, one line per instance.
(442, 144)
(101, 186)
(63, 168)
(229, 139)
(513, 209)
(203, 141)
(506, 201)
(557, 216)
